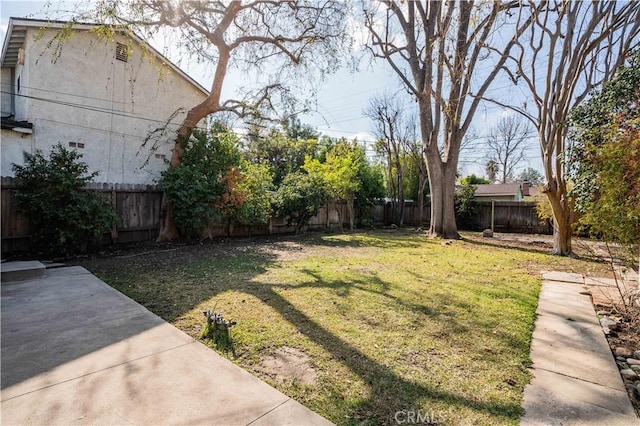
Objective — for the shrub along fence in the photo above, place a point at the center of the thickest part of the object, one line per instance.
(138, 207)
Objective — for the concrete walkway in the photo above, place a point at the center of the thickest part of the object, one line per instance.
(76, 351)
(576, 380)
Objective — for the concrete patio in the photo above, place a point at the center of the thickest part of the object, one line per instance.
(76, 351)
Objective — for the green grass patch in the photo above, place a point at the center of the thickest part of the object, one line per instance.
(391, 321)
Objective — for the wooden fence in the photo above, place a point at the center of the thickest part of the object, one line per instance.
(509, 216)
(512, 216)
(138, 207)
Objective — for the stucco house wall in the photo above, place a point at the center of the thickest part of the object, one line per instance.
(88, 100)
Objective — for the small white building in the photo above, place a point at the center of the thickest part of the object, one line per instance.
(102, 96)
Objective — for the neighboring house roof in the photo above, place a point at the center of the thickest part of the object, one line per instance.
(17, 32)
(497, 189)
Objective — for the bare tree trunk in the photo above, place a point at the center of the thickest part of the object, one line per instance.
(443, 220)
(168, 229)
(400, 173)
(563, 221)
(435, 226)
(562, 238)
(449, 229)
(421, 186)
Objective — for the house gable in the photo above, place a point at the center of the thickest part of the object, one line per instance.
(90, 99)
(17, 34)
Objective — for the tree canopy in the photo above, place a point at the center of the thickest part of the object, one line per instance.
(339, 173)
(472, 179)
(531, 175)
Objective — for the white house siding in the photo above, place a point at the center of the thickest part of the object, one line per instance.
(14, 145)
(87, 96)
(5, 91)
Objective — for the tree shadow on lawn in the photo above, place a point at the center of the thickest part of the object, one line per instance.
(440, 307)
(364, 238)
(389, 392)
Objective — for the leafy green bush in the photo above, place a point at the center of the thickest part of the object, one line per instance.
(466, 206)
(299, 198)
(246, 198)
(256, 185)
(199, 182)
(64, 218)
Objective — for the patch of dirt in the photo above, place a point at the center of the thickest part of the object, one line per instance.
(284, 250)
(150, 255)
(288, 364)
(543, 243)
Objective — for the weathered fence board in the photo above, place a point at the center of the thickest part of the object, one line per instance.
(512, 216)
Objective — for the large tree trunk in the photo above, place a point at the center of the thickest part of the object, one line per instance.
(442, 178)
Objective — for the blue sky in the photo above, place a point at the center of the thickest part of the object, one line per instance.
(340, 101)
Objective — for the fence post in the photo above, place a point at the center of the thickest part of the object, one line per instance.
(493, 210)
(114, 204)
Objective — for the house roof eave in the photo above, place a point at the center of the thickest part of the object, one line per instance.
(17, 126)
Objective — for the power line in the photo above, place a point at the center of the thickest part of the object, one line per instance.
(71, 94)
(92, 108)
